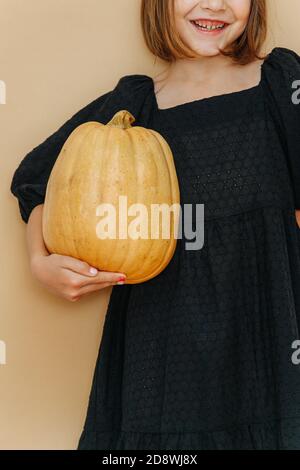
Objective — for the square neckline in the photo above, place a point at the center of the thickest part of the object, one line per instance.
(212, 98)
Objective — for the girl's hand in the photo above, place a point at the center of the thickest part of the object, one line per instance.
(69, 277)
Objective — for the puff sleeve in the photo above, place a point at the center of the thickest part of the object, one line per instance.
(282, 75)
(30, 179)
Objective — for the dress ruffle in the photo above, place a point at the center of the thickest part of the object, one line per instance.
(275, 435)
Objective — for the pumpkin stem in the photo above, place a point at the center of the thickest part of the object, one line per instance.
(122, 119)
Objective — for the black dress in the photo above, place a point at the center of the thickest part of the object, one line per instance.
(203, 356)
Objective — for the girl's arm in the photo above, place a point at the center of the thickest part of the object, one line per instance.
(30, 179)
(64, 276)
(35, 242)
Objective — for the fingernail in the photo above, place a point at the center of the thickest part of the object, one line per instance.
(93, 271)
(120, 283)
(122, 278)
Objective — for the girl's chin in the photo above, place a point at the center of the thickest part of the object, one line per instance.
(207, 51)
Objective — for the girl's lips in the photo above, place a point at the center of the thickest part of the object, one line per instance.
(214, 32)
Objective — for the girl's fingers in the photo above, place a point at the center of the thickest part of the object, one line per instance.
(78, 281)
(78, 266)
(93, 287)
(104, 276)
(84, 269)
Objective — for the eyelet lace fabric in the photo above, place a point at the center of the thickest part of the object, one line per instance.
(200, 357)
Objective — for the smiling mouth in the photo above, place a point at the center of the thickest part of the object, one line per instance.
(207, 26)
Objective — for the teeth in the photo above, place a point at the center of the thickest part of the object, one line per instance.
(209, 27)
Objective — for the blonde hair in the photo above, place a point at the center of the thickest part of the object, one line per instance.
(163, 40)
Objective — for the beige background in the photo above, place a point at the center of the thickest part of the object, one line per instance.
(56, 56)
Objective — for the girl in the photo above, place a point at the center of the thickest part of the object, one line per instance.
(204, 355)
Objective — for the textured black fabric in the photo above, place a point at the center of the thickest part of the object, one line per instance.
(199, 357)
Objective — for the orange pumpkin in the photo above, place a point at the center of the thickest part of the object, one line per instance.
(97, 164)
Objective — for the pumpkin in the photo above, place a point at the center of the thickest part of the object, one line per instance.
(97, 164)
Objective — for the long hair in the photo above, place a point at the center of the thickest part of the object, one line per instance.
(163, 40)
